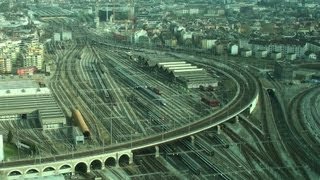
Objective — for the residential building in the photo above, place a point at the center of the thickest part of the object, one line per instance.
(276, 55)
(67, 35)
(207, 43)
(283, 70)
(56, 37)
(246, 53)
(284, 46)
(291, 57)
(261, 54)
(34, 55)
(9, 51)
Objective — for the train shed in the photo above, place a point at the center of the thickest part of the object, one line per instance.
(190, 75)
(22, 100)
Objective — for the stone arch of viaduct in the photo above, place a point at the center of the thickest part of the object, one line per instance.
(84, 165)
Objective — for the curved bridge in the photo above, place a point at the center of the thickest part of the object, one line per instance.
(245, 101)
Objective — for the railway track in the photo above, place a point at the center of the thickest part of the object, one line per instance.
(197, 126)
(305, 148)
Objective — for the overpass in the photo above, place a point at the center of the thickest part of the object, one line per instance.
(245, 101)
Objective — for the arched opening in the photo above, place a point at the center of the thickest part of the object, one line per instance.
(270, 91)
(65, 166)
(110, 162)
(81, 168)
(15, 173)
(65, 169)
(96, 164)
(48, 169)
(86, 134)
(32, 171)
(124, 160)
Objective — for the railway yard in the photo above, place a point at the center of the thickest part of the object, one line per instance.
(117, 101)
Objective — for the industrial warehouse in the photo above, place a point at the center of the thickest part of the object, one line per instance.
(189, 75)
(25, 101)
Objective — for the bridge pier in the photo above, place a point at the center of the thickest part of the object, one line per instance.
(218, 129)
(192, 140)
(157, 151)
(236, 119)
(130, 158)
(117, 160)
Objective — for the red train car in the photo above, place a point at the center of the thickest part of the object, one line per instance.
(210, 102)
(155, 90)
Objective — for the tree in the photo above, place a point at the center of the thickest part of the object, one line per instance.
(10, 136)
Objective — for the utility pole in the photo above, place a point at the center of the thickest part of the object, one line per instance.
(113, 11)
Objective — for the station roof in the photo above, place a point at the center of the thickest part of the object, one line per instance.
(190, 74)
(170, 69)
(176, 65)
(187, 70)
(17, 84)
(168, 63)
(29, 100)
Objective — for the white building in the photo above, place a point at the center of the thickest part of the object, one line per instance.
(5, 65)
(56, 37)
(288, 46)
(187, 35)
(207, 43)
(312, 56)
(142, 34)
(67, 35)
(276, 55)
(291, 57)
(246, 53)
(234, 50)
(194, 11)
(34, 55)
(8, 55)
(261, 54)
(313, 46)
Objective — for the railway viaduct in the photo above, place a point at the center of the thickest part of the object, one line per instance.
(70, 166)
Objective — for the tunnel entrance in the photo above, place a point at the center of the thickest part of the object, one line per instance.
(81, 168)
(23, 116)
(124, 160)
(96, 165)
(110, 162)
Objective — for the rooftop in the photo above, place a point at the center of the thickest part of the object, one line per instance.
(25, 97)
